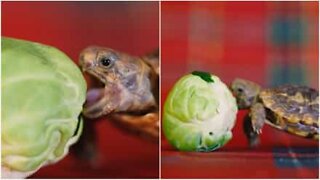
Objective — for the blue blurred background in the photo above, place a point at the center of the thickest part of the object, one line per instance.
(271, 43)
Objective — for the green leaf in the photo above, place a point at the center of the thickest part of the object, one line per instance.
(203, 75)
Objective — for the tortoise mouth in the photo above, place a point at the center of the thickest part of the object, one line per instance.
(95, 90)
(93, 96)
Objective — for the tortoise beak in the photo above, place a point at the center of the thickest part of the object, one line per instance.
(86, 65)
(87, 59)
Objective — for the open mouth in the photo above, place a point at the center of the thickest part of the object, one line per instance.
(95, 90)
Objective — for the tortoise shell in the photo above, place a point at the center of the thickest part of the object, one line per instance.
(294, 109)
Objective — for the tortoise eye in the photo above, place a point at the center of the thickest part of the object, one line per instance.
(240, 90)
(106, 62)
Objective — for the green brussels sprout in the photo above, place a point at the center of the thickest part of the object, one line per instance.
(199, 113)
(42, 96)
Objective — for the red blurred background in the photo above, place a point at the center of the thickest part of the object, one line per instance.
(270, 43)
(130, 27)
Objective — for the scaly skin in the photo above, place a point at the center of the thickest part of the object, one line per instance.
(127, 80)
(128, 97)
(290, 108)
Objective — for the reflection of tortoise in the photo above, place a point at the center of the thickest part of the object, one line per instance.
(294, 109)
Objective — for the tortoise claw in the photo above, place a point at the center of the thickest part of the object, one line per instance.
(256, 130)
(259, 131)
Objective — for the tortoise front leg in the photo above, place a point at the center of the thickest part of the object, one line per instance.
(253, 123)
(86, 148)
(258, 117)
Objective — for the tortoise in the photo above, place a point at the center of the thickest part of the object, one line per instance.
(290, 108)
(124, 89)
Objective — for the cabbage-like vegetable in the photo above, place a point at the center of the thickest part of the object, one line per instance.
(42, 96)
(199, 113)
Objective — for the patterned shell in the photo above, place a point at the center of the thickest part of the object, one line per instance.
(294, 109)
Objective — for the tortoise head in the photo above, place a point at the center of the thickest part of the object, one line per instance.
(111, 74)
(246, 92)
(108, 65)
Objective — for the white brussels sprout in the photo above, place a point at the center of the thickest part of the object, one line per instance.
(42, 96)
(199, 113)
